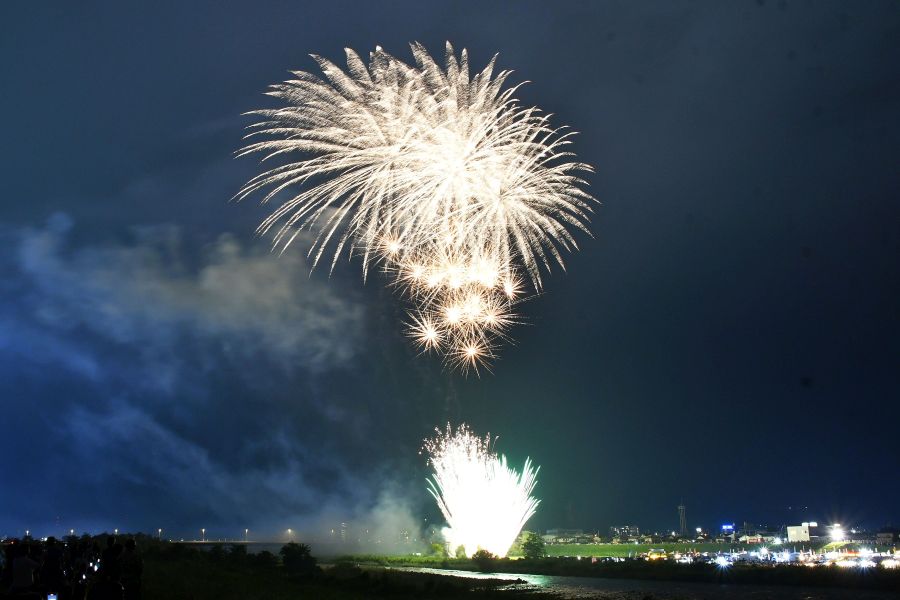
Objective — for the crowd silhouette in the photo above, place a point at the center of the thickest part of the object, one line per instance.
(77, 569)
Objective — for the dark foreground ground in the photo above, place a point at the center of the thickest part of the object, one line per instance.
(225, 572)
(195, 576)
(96, 568)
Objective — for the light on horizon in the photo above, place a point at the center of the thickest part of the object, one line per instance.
(837, 533)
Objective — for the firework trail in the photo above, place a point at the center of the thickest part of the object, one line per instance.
(484, 501)
(433, 173)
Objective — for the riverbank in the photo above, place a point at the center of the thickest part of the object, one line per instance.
(203, 576)
(786, 575)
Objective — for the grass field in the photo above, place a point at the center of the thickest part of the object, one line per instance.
(557, 550)
(624, 550)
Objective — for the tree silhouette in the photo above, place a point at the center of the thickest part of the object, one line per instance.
(484, 560)
(264, 559)
(237, 554)
(298, 559)
(534, 548)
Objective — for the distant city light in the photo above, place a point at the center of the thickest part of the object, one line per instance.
(837, 534)
(846, 562)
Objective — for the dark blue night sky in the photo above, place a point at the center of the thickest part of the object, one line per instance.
(731, 337)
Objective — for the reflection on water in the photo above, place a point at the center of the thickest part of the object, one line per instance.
(632, 589)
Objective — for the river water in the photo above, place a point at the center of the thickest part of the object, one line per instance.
(633, 589)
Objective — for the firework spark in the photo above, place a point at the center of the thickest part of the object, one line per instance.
(436, 174)
(484, 501)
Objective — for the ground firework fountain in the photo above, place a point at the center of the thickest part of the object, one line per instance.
(484, 500)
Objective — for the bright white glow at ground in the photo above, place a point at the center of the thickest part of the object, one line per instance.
(485, 502)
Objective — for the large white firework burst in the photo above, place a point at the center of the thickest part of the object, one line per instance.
(438, 175)
(484, 501)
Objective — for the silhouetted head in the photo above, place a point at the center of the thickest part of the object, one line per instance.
(110, 541)
(130, 544)
(51, 541)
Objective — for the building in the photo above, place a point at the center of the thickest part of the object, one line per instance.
(625, 532)
(563, 536)
(798, 533)
(886, 537)
(752, 538)
(804, 532)
(727, 533)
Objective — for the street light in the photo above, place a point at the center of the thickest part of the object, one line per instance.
(159, 533)
(246, 534)
(203, 535)
(290, 534)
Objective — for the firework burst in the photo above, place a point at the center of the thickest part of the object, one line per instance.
(484, 501)
(434, 173)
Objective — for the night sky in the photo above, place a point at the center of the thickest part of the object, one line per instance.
(729, 337)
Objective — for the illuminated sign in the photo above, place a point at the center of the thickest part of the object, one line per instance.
(728, 527)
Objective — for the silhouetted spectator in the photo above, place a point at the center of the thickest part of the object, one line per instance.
(6, 575)
(110, 562)
(23, 568)
(52, 574)
(108, 588)
(80, 569)
(132, 570)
